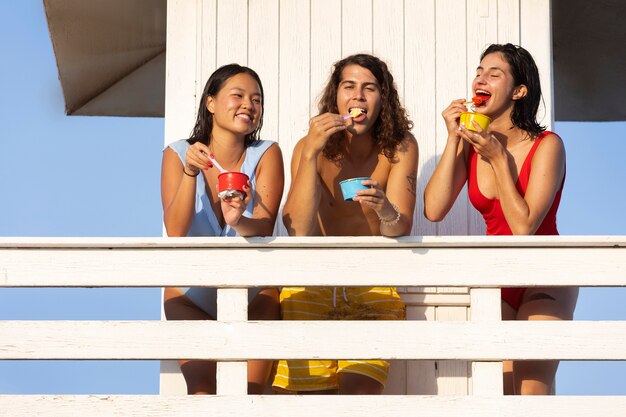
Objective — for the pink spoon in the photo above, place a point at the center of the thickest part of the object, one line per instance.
(214, 161)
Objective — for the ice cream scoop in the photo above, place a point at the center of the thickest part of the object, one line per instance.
(355, 112)
(477, 100)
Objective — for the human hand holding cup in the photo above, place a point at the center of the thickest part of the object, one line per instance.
(468, 117)
(232, 184)
(350, 187)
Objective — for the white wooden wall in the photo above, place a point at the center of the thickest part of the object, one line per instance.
(431, 47)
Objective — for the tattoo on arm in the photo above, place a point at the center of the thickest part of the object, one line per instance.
(412, 184)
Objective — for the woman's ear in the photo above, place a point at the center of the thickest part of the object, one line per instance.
(210, 105)
(520, 92)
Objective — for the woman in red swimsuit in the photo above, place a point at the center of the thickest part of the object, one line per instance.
(515, 173)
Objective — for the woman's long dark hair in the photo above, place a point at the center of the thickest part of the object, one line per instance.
(392, 123)
(204, 122)
(524, 70)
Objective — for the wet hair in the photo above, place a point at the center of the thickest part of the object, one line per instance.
(524, 70)
(204, 122)
(391, 125)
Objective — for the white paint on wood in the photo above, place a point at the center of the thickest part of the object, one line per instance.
(486, 377)
(325, 47)
(232, 304)
(239, 340)
(264, 58)
(486, 304)
(171, 381)
(536, 37)
(451, 70)
(232, 378)
(419, 91)
(356, 26)
(509, 22)
(403, 266)
(451, 374)
(317, 406)
(180, 66)
(388, 37)
(417, 242)
(206, 45)
(232, 32)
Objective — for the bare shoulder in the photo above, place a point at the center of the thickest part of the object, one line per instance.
(552, 139)
(408, 148)
(272, 152)
(551, 144)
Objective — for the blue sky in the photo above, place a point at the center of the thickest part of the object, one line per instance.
(99, 176)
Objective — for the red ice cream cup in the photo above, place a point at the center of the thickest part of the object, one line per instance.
(232, 181)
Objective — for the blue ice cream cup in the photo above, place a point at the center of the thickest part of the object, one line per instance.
(350, 186)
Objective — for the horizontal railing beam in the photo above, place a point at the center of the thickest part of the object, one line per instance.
(235, 341)
(478, 262)
(317, 405)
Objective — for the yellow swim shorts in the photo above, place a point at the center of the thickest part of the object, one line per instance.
(313, 303)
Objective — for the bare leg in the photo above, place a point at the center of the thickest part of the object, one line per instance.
(357, 384)
(199, 375)
(537, 377)
(265, 306)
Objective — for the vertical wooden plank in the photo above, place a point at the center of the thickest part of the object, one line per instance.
(180, 113)
(263, 58)
(482, 30)
(388, 37)
(486, 304)
(232, 377)
(206, 46)
(180, 62)
(171, 380)
(419, 91)
(421, 376)
(232, 32)
(232, 304)
(396, 381)
(536, 37)
(325, 46)
(451, 70)
(452, 375)
(508, 21)
(356, 35)
(294, 98)
(486, 377)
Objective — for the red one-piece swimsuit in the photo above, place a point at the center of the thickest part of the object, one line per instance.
(494, 217)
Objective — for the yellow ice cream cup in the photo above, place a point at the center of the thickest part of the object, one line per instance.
(482, 120)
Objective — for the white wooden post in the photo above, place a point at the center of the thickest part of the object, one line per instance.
(486, 376)
(232, 377)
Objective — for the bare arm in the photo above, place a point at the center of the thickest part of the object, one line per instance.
(178, 191)
(450, 174)
(400, 191)
(525, 214)
(301, 207)
(270, 181)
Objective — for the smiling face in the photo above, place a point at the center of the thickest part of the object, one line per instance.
(237, 107)
(494, 83)
(359, 89)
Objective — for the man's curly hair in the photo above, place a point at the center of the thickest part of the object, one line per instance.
(392, 123)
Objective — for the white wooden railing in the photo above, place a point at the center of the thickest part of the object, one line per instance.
(479, 263)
